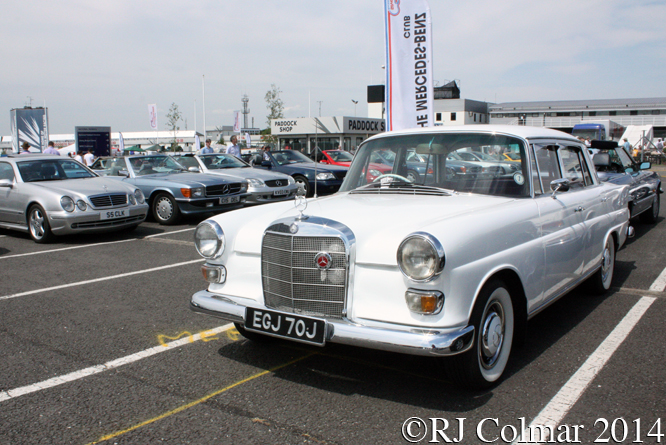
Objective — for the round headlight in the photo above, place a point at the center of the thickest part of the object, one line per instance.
(421, 257)
(138, 194)
(81, 205)
(209, 239)
(132, 199)
(67, 203)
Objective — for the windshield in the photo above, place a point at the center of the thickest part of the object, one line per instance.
(434, 160)
(149, 165)
(52, 170)
(220, 161)
(620, 156)
(290, 157)
(340, 156)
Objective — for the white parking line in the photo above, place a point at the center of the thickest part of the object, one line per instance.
(97, 280)
(72, 376)
(660, 283)
(90, 245)
(566, 398)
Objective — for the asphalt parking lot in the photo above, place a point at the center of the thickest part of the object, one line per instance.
(98, 345)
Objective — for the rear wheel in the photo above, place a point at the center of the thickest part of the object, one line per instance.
(652, 214)
(165, 209)
(38, 224)
(412, 176)
(494, 325)
(600, 282)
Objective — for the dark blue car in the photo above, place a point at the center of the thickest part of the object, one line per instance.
(302, 169)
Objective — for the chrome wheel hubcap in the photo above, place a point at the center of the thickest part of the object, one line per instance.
(164, 209)
(492, 335)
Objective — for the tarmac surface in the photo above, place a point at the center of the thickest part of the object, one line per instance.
(98, 345)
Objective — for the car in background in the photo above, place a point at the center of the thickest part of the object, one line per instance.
(172, 191)
(615, 164)
(491, 164)
(304, 170)
(263, 186)
(46, 195)
(344, 158)
(448, 266)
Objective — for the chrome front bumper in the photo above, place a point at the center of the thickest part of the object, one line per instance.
(413, 341)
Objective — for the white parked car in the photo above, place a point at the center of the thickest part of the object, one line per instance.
(451, 265)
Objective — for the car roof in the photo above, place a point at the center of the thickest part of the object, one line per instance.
(523, 131)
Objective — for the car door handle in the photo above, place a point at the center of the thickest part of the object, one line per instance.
(579, 209)
(604, 199)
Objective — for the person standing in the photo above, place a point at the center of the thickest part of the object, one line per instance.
(627, 145)
(25, 148)
(207, 149)
(234, 149)
(78, 157)
(89, 158)
(51, 150)
(267, 149)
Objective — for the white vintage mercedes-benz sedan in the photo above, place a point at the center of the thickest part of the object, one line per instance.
(452, 264)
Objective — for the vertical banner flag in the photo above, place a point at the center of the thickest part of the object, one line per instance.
(152, 112)
(409, 91)
(248, 140)
(197, 143)
(121, 143)
(237, 126)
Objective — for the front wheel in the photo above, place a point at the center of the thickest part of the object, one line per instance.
(652, 214)
(38, 223)
(600, 282)
(165, 209)
(303, 183)
(494, 325)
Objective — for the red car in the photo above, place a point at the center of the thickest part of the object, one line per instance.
(344, 158)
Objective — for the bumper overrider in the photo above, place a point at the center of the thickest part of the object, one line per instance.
(413, 341)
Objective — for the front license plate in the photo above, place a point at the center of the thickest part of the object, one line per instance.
(294, 327)
(280, 192)
(229, 199)
(112, 214)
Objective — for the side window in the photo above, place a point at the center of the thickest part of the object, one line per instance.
(6, 171)
(549, 167)
(574, 167)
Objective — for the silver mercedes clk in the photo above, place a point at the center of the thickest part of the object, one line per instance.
(46, 195)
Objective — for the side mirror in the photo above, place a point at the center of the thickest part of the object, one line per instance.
(559, 185)
(194, 170)
(8, 183)
(124, 173)
(645, 166)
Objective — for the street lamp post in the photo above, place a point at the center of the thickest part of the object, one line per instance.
(355, 102)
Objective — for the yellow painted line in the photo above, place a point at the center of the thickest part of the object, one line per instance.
(197, 402)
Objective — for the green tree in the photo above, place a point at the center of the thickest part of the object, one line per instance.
(173, 117)
(275, 111)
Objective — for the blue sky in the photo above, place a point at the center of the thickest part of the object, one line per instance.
(101, 63)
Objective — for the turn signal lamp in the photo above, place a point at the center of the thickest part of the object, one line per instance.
(214, 274)
(424, 302)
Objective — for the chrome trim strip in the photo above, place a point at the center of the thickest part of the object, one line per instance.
(417, 341)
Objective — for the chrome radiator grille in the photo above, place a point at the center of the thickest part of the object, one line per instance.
(108, 200)
(292, 280)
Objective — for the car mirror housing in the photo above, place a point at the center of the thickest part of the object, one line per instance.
(124, 173)
(194, 169)
(559, 185)
(645, 166)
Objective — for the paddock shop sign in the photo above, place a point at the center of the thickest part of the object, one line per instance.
(328, 125)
